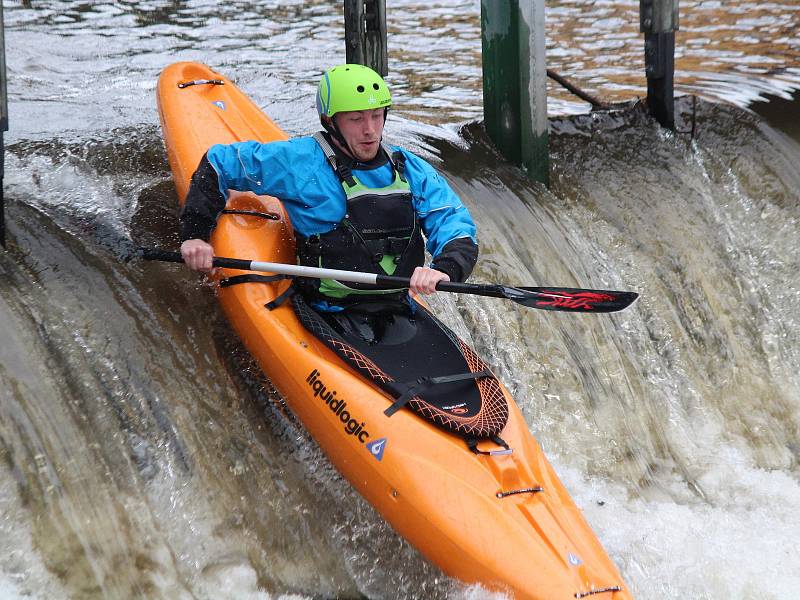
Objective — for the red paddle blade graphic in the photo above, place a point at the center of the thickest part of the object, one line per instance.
(577, 300)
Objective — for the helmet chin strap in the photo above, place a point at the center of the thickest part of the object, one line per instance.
(332, 128)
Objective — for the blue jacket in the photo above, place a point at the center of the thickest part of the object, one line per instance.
(298, 173)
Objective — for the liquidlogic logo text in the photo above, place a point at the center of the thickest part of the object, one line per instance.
(338, 406)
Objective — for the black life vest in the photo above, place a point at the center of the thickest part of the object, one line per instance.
(380, 233)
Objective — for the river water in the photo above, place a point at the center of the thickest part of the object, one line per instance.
(142, 454)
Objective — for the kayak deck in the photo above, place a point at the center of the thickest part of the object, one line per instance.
(504, 521)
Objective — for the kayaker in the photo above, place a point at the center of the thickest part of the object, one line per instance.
(355, 203)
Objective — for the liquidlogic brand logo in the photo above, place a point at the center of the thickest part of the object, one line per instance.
(339, 408)
(376, 448)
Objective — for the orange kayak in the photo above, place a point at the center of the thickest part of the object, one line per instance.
(503, 521)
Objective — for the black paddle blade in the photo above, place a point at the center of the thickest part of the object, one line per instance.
(570, 299)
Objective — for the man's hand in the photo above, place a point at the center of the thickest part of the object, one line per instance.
(198, 255)
(424, 280)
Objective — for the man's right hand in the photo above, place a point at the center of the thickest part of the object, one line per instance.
(198, 255)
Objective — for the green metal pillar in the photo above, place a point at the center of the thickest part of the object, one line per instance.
(515, 82)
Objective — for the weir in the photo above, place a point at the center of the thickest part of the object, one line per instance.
(199, 475)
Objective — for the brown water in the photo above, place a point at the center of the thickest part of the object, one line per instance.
(143, 456)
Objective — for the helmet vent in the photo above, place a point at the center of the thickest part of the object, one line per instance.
(360, 89)
(375, 86)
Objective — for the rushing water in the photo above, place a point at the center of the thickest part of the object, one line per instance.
(142, 455)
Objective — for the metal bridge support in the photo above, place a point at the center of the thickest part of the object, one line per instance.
(658, 20)
(365, 34)
(515, 82)
(3, 125)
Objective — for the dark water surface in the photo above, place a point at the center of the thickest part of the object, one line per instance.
(142, 454)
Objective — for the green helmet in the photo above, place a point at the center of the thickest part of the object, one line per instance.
(351, 87)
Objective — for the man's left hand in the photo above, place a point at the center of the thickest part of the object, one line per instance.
(424, 280)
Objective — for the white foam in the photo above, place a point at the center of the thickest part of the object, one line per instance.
(22, 572)
(741, 543)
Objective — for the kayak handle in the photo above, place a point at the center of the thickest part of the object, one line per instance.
(185, 84)
(530, 490)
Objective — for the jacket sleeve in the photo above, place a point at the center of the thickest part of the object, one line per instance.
(457, 259)
(283, 169)
(204, 202)
(241, 166)
(446, 222)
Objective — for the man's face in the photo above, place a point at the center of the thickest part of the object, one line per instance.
(363, 130)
